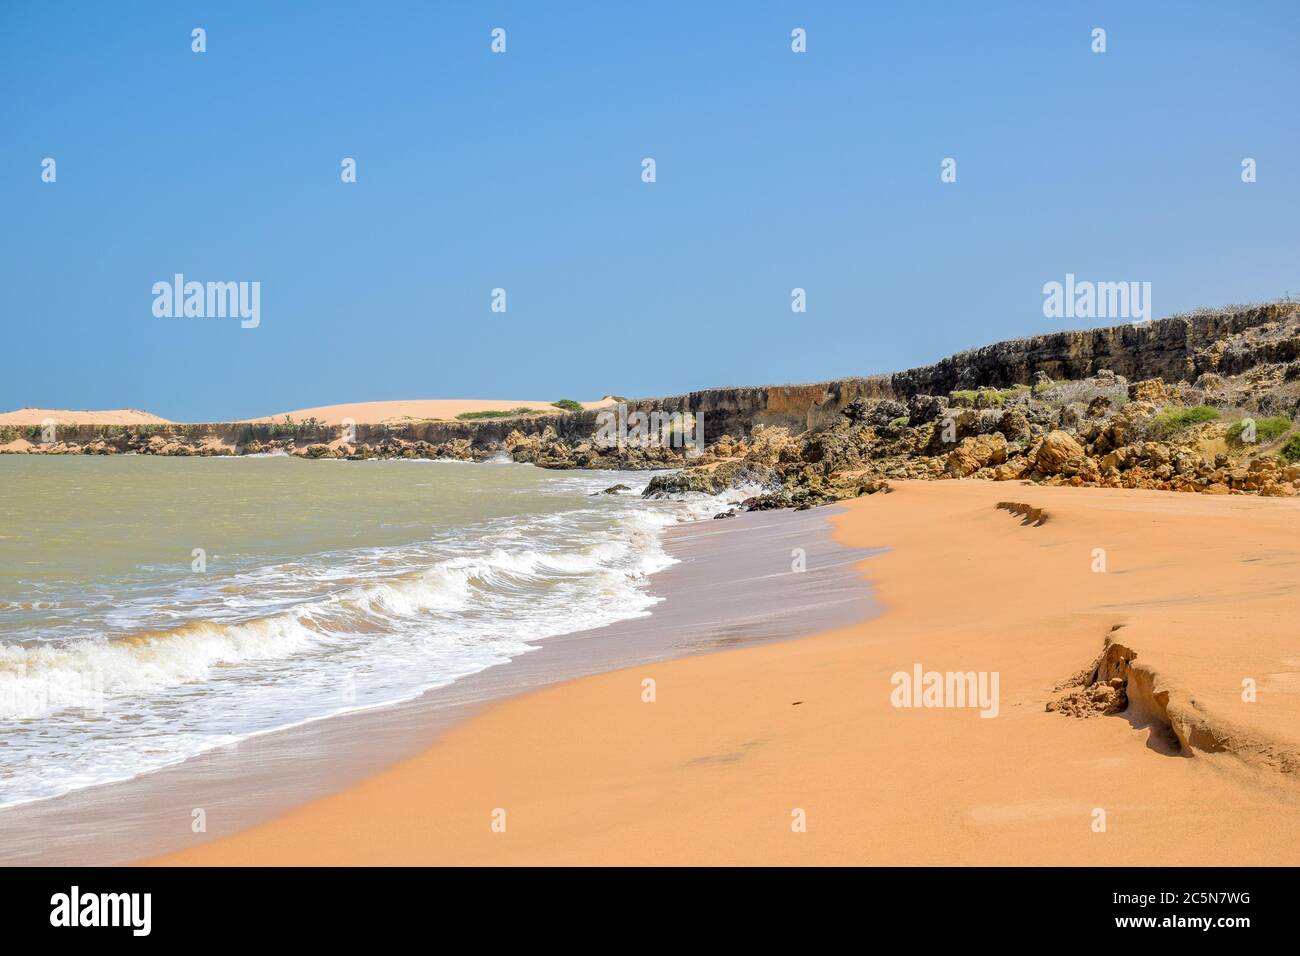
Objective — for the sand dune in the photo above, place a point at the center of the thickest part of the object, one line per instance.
(373, 413)
(120, 416)
(1203, 589)
(363, 413)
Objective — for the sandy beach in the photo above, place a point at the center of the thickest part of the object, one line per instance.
(730, 587)
(738, 746)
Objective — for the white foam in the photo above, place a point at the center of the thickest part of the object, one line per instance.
(173, 673)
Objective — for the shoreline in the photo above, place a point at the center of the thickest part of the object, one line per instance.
(260, 777)
(1202, 589)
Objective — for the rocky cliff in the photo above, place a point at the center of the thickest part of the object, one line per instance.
(1246, 358)
(1180, 348)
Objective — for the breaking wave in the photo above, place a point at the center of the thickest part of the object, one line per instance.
(174, 670)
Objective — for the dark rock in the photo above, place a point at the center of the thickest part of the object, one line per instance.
(856, 411)
(887, 411)
(710, 481)
(925, 408)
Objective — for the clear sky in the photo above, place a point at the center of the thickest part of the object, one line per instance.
(522, 170)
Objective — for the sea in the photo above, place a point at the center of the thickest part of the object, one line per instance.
(154, 608)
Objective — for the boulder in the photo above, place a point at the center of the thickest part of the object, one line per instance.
(975, 453)
(1011, 470)
(1014, 425)
(925, 408)
(887, 411)
(1098, 407)
(1149, 390)
(1058, 453)
(857, 411)
(710, 481)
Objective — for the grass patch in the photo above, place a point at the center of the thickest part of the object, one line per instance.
(1170, 421)
(498, 413)
(1266, 429)
(568, 404)
(987, 397)
(1291, 450)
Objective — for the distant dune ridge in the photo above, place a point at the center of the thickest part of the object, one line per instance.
(119, 416)
(421, 409)
(362, 413)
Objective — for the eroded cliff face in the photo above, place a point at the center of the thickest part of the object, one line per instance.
(1175, 349)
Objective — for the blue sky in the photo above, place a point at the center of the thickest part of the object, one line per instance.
(774, 170)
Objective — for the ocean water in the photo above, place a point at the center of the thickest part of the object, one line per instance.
(321, 587)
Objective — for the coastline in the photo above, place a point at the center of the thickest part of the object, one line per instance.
(731, 585)
(1202, 588)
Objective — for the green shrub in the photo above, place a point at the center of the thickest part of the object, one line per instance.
(1291, 450)
(498, 413)
(1170, 421)
(898, 422)
(1041, 387)
(568, 404)
(1266, 429)
(987, 397)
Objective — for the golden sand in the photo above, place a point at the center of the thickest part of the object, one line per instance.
(737, 745)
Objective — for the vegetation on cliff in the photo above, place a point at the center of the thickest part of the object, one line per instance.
(499, 413)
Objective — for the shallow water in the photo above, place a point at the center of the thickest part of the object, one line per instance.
(321, 587)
